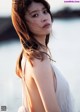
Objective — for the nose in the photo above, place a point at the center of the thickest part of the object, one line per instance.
(43, 18)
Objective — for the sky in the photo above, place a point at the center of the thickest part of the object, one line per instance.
(5, 6)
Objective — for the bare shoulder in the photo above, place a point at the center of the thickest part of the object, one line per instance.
(40, 66)
(43, 77)
(39, 63)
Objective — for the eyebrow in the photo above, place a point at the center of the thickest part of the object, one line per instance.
(34, 11)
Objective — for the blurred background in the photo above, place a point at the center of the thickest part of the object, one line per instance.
(64, 45)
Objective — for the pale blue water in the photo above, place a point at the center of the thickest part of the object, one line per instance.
(65, 49)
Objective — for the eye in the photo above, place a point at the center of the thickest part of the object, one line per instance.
(35, 15)
(45, 11)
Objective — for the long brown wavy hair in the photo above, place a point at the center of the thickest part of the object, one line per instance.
(30, 46)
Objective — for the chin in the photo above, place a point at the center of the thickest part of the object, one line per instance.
(48, 32)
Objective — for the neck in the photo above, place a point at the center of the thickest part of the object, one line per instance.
(41, 39)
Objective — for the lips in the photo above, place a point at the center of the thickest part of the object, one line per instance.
(46, 25)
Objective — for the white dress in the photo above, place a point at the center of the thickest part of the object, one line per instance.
(63, 94)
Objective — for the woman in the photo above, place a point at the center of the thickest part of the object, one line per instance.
(44, 88)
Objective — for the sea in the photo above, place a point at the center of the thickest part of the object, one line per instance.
(64, 45)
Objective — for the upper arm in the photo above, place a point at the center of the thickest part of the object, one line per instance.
(42, 76)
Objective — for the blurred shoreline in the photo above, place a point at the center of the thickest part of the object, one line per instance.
(67, 13)
(8, 33)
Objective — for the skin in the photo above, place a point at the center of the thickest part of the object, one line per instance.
(40, 78)
(36, 17)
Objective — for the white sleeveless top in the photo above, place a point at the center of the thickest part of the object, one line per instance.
(63, 94)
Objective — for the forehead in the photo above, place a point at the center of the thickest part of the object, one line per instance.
(35, 6)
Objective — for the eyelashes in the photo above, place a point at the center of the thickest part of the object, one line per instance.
(45, 11)
(38, 13)
(35, 15)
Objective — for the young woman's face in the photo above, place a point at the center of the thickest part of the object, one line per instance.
(38, 19)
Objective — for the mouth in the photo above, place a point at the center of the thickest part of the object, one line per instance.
(47, 25)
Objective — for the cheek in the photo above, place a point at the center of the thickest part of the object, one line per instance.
(33, 25)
